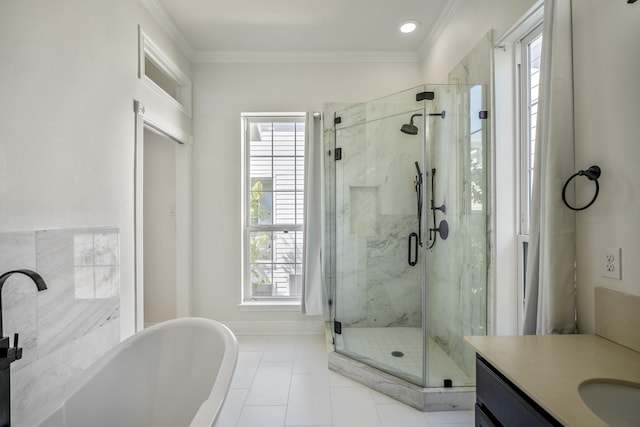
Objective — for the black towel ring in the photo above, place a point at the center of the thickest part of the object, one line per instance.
(592, 174)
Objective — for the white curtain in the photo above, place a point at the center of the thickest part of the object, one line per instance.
(550, 301)
(312, 283)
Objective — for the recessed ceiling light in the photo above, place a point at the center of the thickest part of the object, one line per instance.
(409, 26)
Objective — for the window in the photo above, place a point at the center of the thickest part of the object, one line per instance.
(273, 206)
(529, 84)
(528, 64)
(517, 70)
(163, 75)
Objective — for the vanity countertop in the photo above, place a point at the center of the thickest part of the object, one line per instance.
(549, 368)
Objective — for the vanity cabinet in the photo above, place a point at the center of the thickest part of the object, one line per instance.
(500, 403)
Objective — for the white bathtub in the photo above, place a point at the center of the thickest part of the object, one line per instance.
(173, 374)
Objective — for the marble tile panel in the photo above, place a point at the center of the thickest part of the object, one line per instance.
(17, 250)
(107, 248)
(107, 281)
(364, 211)
(83, 253)
(63, 315)
(74, 321)
(37, 382)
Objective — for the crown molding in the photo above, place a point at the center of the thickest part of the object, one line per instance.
(219, 56)
(305, 56)
(164, 20)
(436, 31)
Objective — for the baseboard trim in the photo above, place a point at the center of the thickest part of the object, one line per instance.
(279, 327)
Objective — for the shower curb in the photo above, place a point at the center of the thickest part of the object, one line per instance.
(429, 399)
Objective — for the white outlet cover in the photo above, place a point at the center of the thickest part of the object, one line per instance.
(611, 265)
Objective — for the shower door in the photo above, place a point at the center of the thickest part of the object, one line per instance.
(456, 269)
(378, 300)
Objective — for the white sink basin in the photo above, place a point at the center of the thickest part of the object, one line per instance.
(616, 402)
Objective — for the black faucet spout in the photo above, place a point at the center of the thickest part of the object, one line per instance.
(37, 279)
(8, 354)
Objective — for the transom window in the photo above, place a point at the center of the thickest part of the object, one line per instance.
(274, 201)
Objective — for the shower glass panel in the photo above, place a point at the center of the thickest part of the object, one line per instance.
(379, 296)
(456, 269)
(403, 293)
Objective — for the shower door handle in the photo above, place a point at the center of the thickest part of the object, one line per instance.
(413, 237)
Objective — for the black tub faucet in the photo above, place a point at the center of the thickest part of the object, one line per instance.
(8, 354)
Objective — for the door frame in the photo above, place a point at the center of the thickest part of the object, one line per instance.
(144, 119)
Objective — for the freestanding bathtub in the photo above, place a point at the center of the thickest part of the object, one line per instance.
(173, 374)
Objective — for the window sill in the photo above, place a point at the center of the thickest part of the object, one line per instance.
(269, 306)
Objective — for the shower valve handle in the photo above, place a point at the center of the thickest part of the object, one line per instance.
(442, 208)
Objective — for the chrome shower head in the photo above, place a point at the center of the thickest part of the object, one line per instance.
(410, 128)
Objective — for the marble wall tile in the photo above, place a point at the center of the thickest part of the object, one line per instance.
(71, 317)
(364, 208)
(375, 211)
(48, 375)
(71, 324)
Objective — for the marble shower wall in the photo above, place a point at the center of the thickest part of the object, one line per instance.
(67, 327)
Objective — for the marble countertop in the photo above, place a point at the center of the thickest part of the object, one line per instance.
(549, 368)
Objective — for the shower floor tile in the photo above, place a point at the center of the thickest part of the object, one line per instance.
(376, 346)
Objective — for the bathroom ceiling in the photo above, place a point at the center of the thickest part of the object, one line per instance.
(209, 26)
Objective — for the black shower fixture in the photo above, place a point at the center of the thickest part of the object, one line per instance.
(410, 128)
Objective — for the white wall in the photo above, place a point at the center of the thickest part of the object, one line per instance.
(159, 228)
(607, 112)
(221, 92)
(68, 78)
(470, 22)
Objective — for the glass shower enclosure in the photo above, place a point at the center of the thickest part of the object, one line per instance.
(407, 232)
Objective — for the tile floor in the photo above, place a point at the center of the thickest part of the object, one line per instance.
(283, 380)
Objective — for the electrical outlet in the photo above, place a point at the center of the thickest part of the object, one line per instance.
(611, 265)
